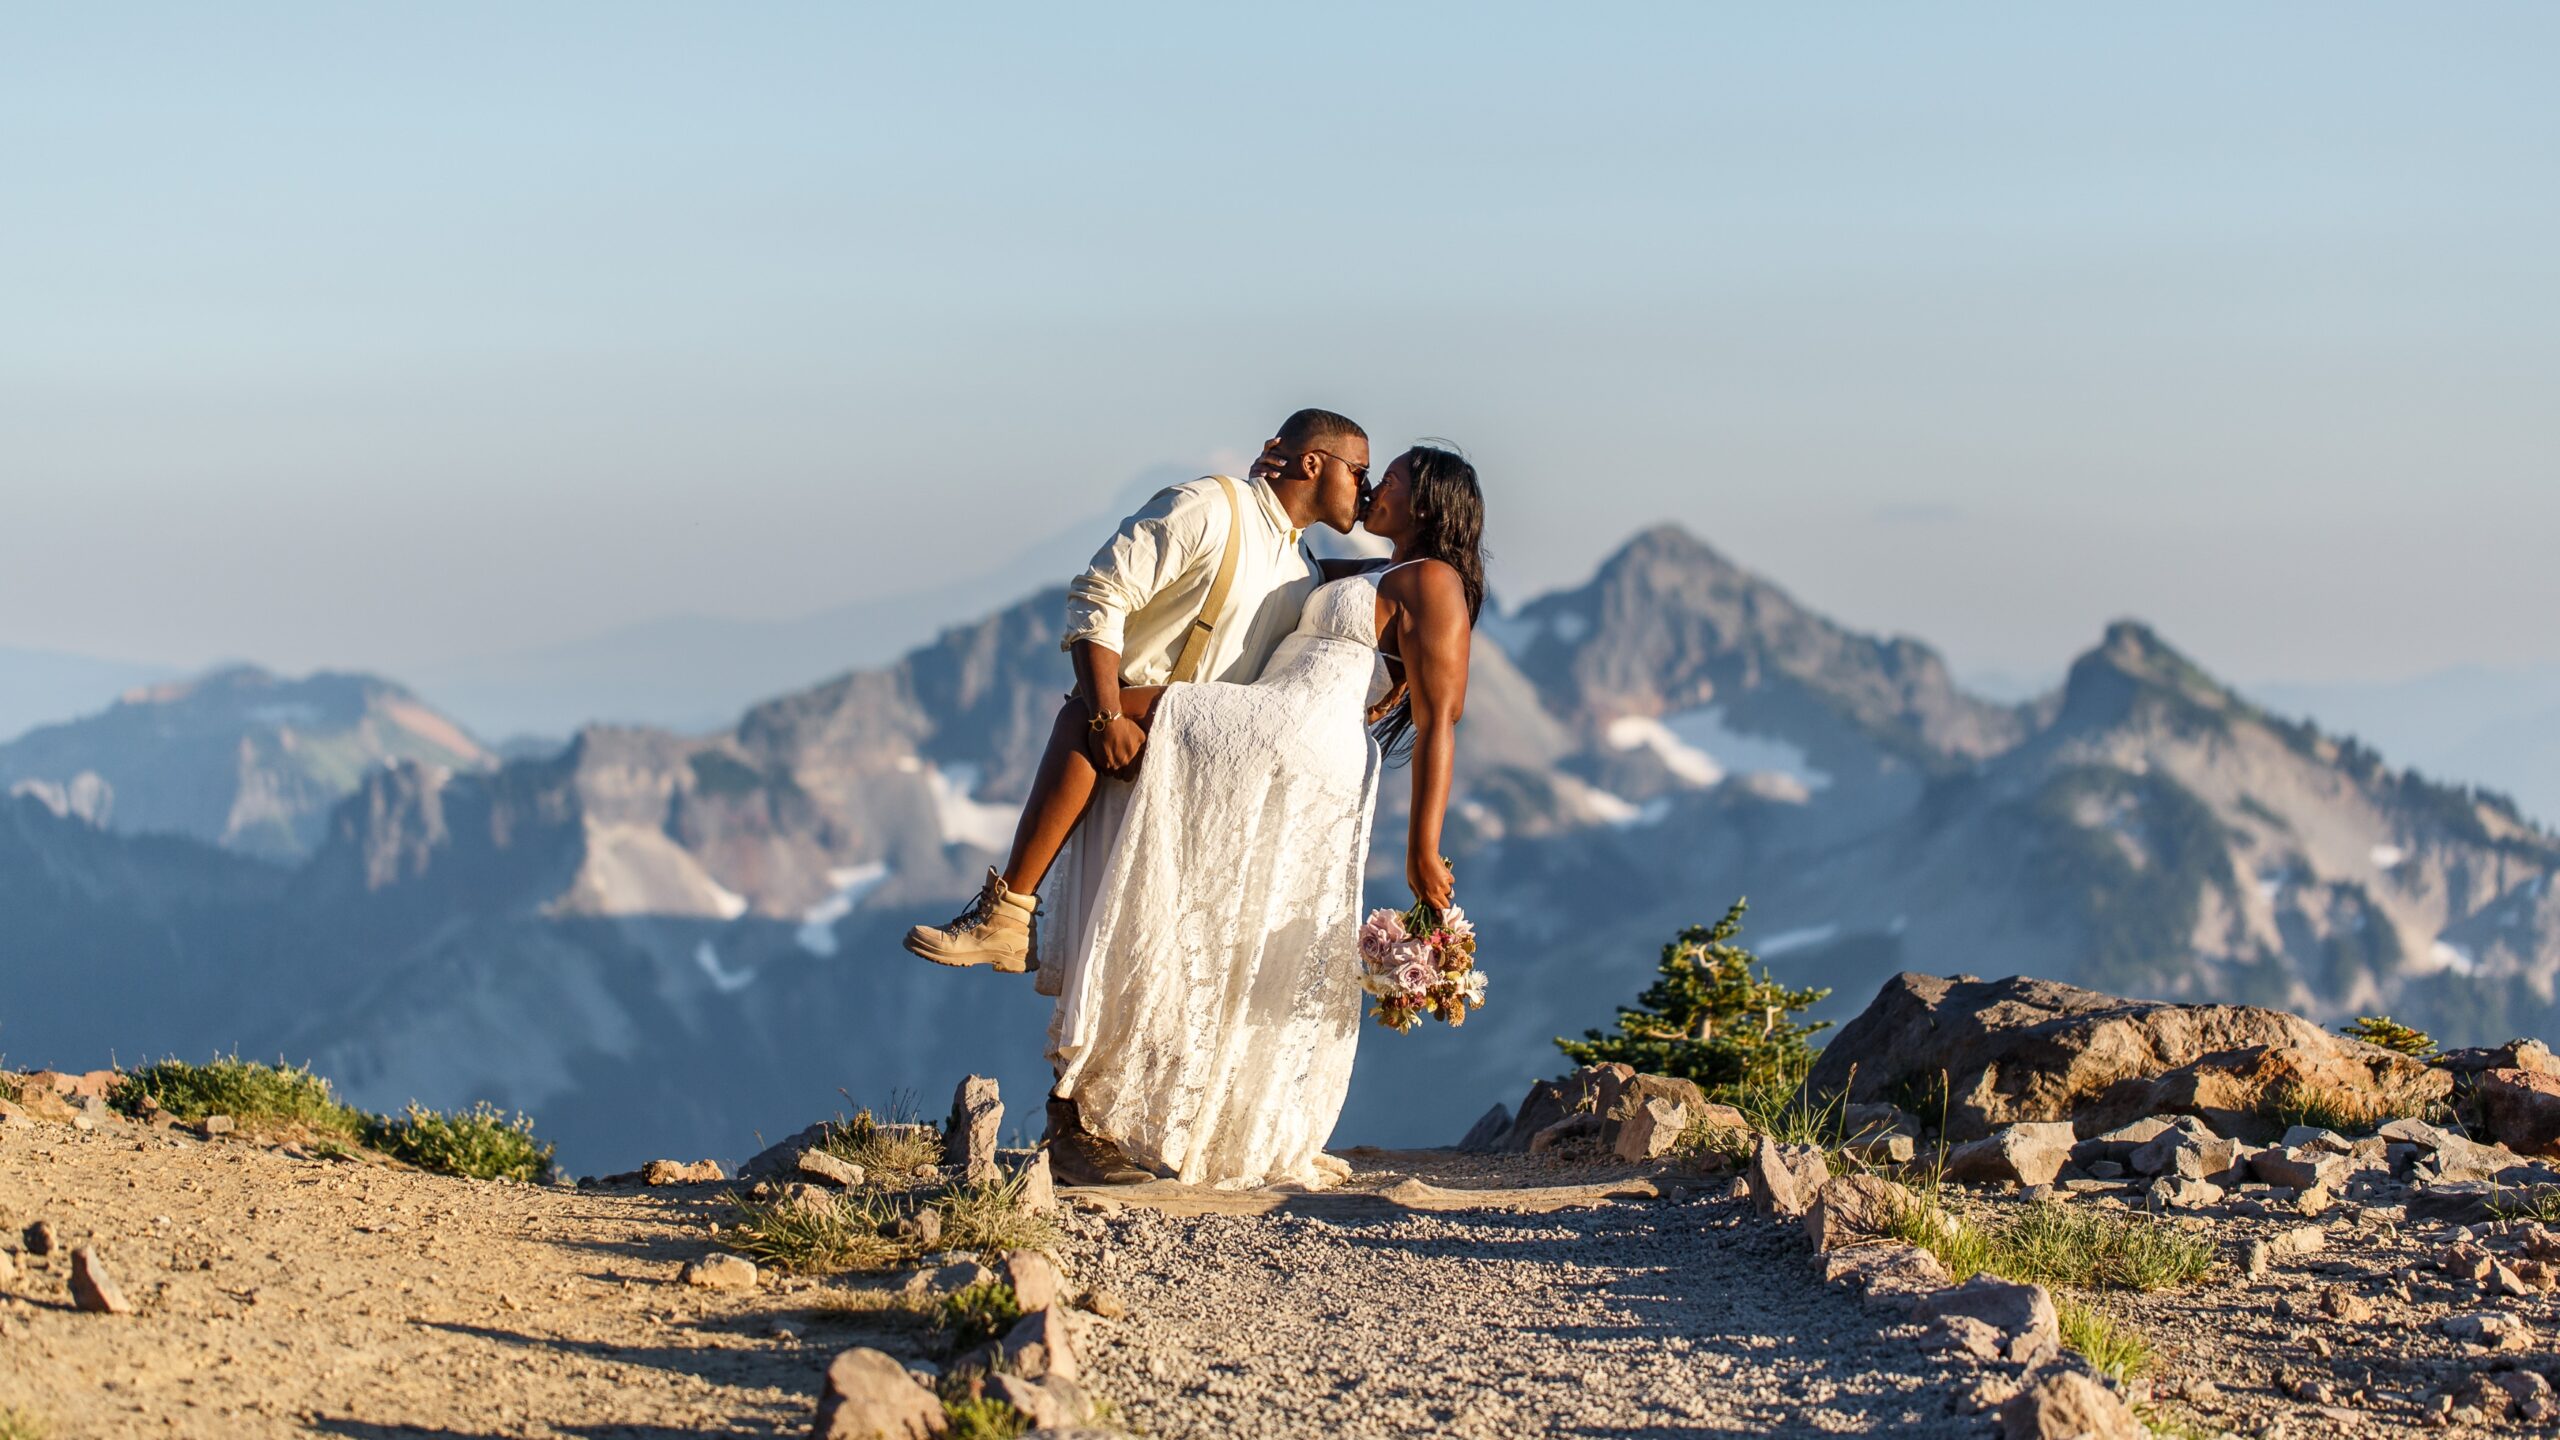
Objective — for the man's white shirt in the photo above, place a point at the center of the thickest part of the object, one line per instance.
(1147, 582)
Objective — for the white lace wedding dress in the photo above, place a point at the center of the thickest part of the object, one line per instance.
(1212, 1002)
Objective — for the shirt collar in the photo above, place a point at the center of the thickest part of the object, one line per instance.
(1272, 510)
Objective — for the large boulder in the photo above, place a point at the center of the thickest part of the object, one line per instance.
(2019, 1049)
(2520, 1109)
(1587, 1091)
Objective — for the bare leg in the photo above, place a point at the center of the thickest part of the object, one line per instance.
(1062, 790)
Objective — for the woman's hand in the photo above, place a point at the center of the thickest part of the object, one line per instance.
(1433, 882)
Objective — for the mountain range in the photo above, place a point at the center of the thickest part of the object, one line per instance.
(654, 940)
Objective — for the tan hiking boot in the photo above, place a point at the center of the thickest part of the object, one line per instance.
(994, 930)
(1077, 1156)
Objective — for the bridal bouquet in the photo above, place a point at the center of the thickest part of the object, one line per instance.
(1420, 962)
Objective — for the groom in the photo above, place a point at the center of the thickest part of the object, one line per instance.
(1140, 614)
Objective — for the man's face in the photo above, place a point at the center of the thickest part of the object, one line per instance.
(1341, 465)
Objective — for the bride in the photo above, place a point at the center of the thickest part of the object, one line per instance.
(1212, 1000)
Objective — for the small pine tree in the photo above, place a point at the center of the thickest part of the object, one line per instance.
(2390, 1034)
(1710, 1018)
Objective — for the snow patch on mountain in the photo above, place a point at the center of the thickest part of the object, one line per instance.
(817, 932)
(964, 819)
(723, 979)
(1682, 759)
(1704, 732)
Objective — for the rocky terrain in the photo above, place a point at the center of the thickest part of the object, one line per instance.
(662, 941)
(2118, 1217)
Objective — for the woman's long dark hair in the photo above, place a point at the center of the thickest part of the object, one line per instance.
(1448, 525)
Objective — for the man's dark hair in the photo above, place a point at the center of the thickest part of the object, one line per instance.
(1313, 429)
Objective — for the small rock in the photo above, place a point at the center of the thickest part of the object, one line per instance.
(92, 1289)
(923, 1228)
(2489, 1329)
(2105, 1169)
(2301, 1169)
(1966, 1336)
(2254, 1258)
(39, 1238)
(2068, 1406)
(213, 1125)
(969, 1141)
(868, 1396)
(1850, 1208)
(2345, 1306)
(2024, 1314)
(670, 1172)
(1105, 1303)
(721, 1271)
(1652, 1131)
(2185, 1154)
(2505, 1282)
(2531, 1395)
(779, 1330)
(1888, 1273)
(2314, 1202)
(1569, 1130)
(2300, 1240)
(819, 1165)
(1050, 1404)
(1037, 1193)
(1038, 1345)
(2167, 1193)
(2026, 1154)
(1783, 1179)
(2466, 1262)
(1034, 1278)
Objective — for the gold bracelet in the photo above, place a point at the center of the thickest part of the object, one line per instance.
(1105, 718)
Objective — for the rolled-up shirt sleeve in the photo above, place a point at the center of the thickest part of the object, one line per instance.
(1149, 552)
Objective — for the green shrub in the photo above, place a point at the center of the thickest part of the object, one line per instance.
(481, 1142)
(2390, 1034)
(978, 1314)
(1711, 1017)
(257, 1096)
(983, 1418)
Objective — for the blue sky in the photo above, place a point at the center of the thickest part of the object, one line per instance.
(384, 335)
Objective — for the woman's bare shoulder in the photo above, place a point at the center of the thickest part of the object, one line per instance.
(1422, 582)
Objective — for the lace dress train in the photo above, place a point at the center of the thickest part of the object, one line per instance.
(1211, 1004)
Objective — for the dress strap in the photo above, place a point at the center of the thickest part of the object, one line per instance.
(1390, 570)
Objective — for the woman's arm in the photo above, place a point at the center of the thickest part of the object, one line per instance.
(1431, 632)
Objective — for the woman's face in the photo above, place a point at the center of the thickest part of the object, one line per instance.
(1389, 515)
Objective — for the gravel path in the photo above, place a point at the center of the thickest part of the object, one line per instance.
(1664, 1319)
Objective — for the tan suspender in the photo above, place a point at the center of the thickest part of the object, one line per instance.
(1195, 641)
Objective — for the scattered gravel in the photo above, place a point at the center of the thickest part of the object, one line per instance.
(1658, 1319)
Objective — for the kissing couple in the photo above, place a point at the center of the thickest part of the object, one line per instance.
(1201, 817)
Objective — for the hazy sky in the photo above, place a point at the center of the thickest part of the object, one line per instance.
(382, 335)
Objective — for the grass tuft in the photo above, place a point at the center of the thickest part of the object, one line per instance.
(257, 1096)
(972, 1317)
(988, 1218)
(2326, 1107)
(888, 1151)
(872, 1308)
(17, 1424)
(983, 1418)
(2050, 1244)
(817, 1237)
(481, 1143)
(2116, 1350)
(2099, 1250)
(2533, 1202)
